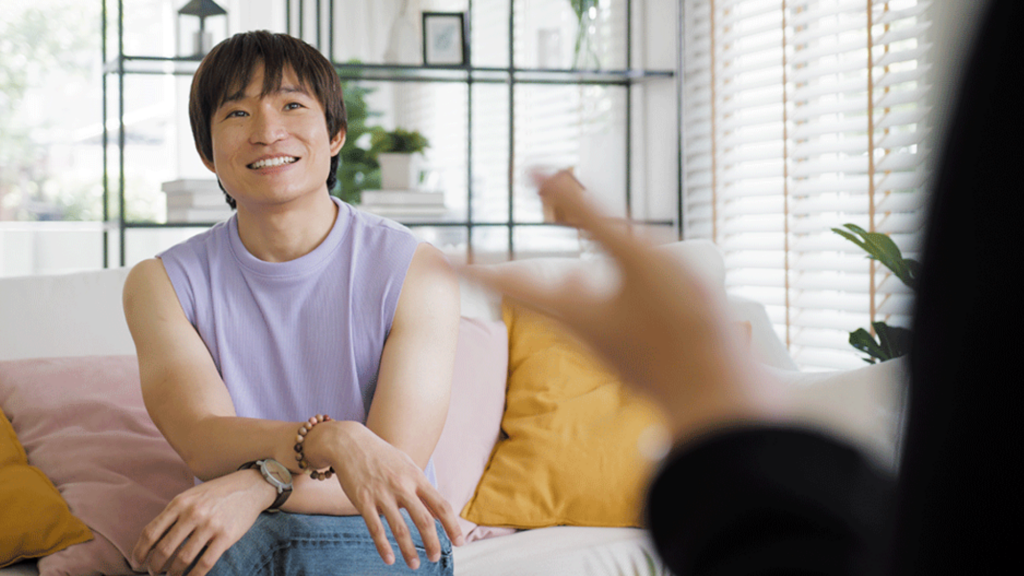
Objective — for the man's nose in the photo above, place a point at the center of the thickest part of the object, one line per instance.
(267, 128)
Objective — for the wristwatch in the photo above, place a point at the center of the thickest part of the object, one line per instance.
(278, 476)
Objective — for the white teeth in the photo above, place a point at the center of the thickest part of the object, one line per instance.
(276, 161)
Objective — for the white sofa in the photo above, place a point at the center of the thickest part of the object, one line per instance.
(80, 315)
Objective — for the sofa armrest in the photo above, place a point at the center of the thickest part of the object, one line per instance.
(75, 314)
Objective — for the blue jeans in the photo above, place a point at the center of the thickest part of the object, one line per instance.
(284, 544)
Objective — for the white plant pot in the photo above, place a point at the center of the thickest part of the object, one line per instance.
(399, 170)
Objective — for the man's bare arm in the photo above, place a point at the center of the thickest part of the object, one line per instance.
(414, 384)
(190, 404)
(182, 389)
(383, 468)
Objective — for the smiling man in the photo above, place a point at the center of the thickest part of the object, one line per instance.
(296, 307)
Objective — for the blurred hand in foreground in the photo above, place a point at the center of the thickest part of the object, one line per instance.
(664, 331)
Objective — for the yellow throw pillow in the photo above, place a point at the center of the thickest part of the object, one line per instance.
(34, 519)
(571, 456)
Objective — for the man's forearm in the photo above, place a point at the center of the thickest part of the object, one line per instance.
(221, 444)
(218, 445)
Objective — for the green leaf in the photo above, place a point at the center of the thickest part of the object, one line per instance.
(893, 339)
(358, 170)
(861, 340)
(851, 238)
(397, 140)
(881, 248)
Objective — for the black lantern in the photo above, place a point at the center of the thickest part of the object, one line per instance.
(202, 40)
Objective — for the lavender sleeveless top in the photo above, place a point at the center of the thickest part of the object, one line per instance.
(303, 337)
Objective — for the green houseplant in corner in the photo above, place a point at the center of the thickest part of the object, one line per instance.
(892, 341)
(358, 169)
(398, 152)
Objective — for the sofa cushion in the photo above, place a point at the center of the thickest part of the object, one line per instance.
(572, 454)
(64, 315)
(34, 519)
(702, 256)
(862, 406)
(474, 416)
(83, 423)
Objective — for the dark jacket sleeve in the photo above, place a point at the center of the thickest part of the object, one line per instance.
(769, 501)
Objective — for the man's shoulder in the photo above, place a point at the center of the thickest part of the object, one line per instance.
(431, 280)
(193, 255)
(147, 284)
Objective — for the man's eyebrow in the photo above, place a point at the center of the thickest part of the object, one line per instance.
(292, 89)
(283, 89)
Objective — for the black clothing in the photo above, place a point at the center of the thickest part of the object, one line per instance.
(773, 501)
(744, 500)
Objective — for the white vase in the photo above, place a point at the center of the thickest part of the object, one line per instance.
(399, 170)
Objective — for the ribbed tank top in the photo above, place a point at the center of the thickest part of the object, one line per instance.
(303, 337)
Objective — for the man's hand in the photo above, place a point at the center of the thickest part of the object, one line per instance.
(207, 519)
(381, 479)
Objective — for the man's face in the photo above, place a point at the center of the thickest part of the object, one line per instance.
(273, 149)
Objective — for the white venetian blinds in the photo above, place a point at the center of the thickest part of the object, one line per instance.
(800, 116)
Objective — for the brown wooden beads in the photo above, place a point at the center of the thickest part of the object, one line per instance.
(300, 457)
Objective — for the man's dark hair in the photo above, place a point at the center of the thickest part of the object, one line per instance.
(229, 68)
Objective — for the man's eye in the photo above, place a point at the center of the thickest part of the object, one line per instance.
(292, 106)
(237, 114)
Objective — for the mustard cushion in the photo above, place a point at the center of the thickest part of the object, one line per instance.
(34, 519)
(571, 454)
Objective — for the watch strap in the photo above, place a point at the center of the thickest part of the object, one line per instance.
(282, 493)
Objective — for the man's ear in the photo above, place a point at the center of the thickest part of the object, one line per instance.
(337, 142)
(206, 162)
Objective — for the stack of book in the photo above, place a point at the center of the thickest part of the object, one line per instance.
(402, 204)
(195, 201)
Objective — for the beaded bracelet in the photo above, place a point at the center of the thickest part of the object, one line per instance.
(300, 457)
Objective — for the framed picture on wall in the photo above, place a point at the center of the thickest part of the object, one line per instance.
(444, 39)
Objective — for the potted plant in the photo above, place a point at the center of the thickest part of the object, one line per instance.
(892, 341)
(399, 153)
(358, 169)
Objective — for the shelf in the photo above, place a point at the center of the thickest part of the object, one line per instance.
(187, 65)
(411, 223)
(498, 84)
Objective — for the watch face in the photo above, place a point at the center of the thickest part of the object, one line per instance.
(278, 471)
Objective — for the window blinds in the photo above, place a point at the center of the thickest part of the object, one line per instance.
(800, 116)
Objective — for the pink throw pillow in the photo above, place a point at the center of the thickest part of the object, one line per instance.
(82, 422)
(474, 417)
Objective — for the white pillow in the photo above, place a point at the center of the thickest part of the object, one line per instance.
(863, 406)
(702, 256)
(76, 314)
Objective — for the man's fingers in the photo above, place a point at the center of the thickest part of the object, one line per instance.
(441, 510)
(426, 526)
(400, 530)
(152, 534)
(214, 550)
(165, 551)
(191, 549)
(379, 535)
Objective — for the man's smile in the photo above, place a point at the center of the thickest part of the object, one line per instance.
(272, 162)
